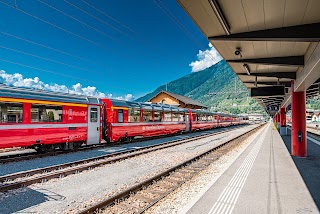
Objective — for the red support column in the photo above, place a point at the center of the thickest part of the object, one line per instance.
(278, 120)
(283, 122)
(299, 129)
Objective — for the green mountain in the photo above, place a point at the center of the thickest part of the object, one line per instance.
(217, 87)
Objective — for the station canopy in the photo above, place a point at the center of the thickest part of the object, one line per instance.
(267, 43)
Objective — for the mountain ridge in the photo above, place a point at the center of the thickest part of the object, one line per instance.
(217, 87)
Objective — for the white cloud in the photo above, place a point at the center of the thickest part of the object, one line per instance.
(206, 59)
(19, 81)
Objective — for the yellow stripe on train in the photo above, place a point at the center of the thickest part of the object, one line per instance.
(6, 99)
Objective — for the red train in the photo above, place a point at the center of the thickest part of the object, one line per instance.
(47, 121)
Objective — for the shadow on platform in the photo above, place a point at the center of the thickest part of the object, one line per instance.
(308, 167)
(20, 200)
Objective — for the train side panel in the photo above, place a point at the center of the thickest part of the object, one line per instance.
(126, 130)
(27, 128)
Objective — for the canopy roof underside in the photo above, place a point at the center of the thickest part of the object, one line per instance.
(278, 42)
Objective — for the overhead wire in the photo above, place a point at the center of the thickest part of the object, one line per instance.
(45, 70)
(45, 46)
(77, 7)
(89, 14)
(122, 54)
(54, 25)
(177, 22)
(59, 74)
(71, 17)
(44, 58)
(180, 25)
(107, 15)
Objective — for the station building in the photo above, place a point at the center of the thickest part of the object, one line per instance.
(169, 98)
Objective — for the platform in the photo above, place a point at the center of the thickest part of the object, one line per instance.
(263, 179)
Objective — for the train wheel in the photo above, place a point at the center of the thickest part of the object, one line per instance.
(77, 145)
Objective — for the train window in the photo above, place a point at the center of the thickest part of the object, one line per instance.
(157, 116)
(11, 112)
(147, 116)
(210, 118)
(194, 117)
(120, 116)
(46, 113)
(175, 116)
(134, 115)
(203, 117)
(93, 115)
(199, 117)
(182, 117)
(167, 116)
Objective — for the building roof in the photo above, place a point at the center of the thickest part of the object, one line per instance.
(186, 100)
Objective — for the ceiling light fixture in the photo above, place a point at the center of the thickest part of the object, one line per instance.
(246, 67)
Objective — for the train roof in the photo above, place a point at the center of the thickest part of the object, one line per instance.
(164, 107)
(146, 106)
(37, 94)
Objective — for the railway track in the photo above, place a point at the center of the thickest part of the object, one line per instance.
(33, 155)
(22, 179)
(140, 197)
(314, 134)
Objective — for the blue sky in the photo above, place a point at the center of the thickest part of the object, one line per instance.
(124, 48)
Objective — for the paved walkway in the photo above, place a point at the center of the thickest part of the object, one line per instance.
(264, 179)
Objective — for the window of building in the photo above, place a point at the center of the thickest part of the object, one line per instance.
(147, 116)
(120, 116)
(93, 115)
(11, 112)
(134, 115)
(175, 116)
(46, 113)
(157, 116)
(167, 116)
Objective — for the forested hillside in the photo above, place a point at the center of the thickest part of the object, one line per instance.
(217, 87)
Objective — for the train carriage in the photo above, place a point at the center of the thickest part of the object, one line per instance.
(203, 120)
(127, 120)
(235, 120)
(47, 120)
(225, 120)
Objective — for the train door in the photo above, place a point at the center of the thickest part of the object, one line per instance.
(93, 136)
(187, 122)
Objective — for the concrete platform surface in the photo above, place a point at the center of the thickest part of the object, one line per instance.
(264, 179)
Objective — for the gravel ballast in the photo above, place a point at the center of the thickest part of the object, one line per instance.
(73, 192)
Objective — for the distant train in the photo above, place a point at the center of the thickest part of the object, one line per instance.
(47, 121)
